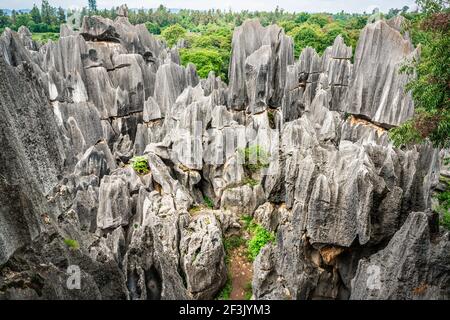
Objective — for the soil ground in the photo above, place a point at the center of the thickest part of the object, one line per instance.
(241, 270)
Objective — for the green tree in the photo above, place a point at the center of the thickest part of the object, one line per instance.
(4, 19)
(331, 31)
(92, 6)
(302, 17)
(23, 19)
(35, 14)
(153, 27)
(173, 33)
(47, 13)
(61, 16)
(430, 89)
(13, 17)
(307, 35)
(205, 60)
(319, 19)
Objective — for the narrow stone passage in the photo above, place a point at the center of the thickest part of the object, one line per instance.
(241, 270)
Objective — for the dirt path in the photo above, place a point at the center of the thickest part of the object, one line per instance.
(241, 270)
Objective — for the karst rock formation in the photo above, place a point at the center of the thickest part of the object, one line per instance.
(344, 203)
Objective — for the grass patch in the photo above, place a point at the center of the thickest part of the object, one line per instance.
(140, 164)
(72, 244)
(254, 158)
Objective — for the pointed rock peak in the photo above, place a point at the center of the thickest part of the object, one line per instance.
(65, 30)
(397, 22)
(122, 11)
(340, 50)
(24, 31)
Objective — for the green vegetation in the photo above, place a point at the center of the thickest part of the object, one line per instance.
(251, 182)
(45, 36)
(205, 60)
(173, 33)
(72, 244)
(209, 203)
(231, 243)
(260, 238)
(445, 220)
(248, 291)
(225, 293)
(430, 90)
(254, 158)
(140, 164)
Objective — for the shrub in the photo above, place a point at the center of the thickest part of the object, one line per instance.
(225, 293)
(260, 238)
(254, 158)
(209, 203)
(140, 164)
(445, 220)
(251, 182)
(444, 208)
(248, 291)
(72, 244)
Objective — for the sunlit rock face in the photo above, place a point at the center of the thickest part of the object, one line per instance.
(343, 203)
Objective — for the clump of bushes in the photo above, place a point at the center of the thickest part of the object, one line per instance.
(225, 293)
(72, 244)
(260, 237)
(444, 208)
(209, 203)
(140, 164)
(254, 158)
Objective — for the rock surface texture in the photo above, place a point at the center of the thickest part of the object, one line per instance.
(350, 213)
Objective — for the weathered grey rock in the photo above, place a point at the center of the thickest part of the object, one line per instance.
(114, 203)
(99, 28)
(380, 52)
(202, 251)
(412, 266)
(97, 160)
(150, 273)
(25, 36)
(248, 55)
